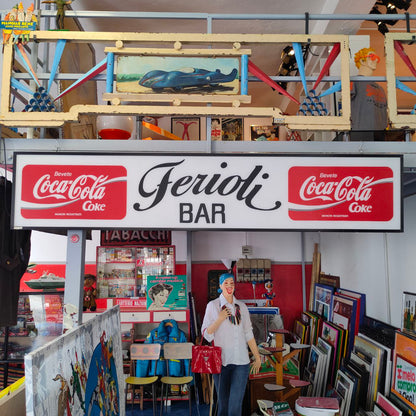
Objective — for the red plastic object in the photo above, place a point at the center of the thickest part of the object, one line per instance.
(331, 58)
(400, 50)
(256, 71)
(114, 134)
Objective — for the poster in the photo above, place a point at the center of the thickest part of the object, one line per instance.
(166, 292)
(80, 372)
(177, 74)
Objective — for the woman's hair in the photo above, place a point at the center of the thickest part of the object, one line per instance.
(362, 54)
(154, 290)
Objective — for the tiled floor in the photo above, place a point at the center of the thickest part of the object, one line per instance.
(177, 408)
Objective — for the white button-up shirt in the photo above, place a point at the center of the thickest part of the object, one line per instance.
(231, 338)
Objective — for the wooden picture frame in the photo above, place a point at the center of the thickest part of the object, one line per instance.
(187, 128)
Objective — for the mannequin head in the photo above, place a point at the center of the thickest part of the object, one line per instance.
(227, 286)
(366, 61)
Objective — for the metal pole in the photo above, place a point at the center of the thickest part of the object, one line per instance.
(74, 278)
(302, 246)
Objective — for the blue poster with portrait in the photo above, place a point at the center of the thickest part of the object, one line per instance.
(166, 292)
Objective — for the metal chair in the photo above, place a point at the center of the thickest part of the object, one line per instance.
(173, 352)
(142, 352)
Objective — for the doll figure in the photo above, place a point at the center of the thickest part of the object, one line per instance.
(269, 295)
(90, 293)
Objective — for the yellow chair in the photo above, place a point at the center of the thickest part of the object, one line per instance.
(173, 352)
(142, 352)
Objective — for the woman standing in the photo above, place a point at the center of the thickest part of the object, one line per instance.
(227, 322)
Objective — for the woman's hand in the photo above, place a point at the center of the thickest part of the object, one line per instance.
(255, 366)
(224, 314)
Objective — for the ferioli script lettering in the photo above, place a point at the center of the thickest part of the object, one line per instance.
(163, 181)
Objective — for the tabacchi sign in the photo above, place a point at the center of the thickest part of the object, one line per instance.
(233, 192)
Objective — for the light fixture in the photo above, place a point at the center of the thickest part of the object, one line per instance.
(402, 4)
(391, 8)
(287, 65)
(381, 24)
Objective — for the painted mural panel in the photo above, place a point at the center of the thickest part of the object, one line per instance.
(81, 372)
(186, 75)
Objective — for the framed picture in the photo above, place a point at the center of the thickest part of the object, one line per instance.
(177, 74)
(232, 129)
(408, 312)
(166, 292)
(331, 335)
(329, 280)
(387, 407)
(187, 128)
(264, 133)
(323, 300)
(404, 369)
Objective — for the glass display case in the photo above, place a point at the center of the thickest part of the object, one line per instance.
(39, 320)
(122, 271)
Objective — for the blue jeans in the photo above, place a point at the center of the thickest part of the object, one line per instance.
(230, 386)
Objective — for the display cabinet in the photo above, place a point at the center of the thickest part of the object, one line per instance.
(122, 271)
(39, 320)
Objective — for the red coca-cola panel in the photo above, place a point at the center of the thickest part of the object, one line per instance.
(332, 193)
(74, 192)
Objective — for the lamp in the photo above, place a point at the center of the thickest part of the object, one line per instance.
(287, 65)
(401, 4)
(381, 24)
(391, 8)
(115, 127)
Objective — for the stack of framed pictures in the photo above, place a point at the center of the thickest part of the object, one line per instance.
(370, 358)
(314, 371)
(344, 314)
(345, 390)
(336, 337)
(317, 368)
(314, 322)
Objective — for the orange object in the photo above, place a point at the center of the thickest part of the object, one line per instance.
(161, 134)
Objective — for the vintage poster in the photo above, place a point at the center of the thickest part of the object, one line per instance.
(404, 369)
(166, 292)
(80, 372)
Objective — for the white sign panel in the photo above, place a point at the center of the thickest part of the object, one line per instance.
(234, 192)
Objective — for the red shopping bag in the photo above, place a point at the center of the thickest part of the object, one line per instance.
(206, 359)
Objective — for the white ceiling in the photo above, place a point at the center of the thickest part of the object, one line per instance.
(226, 7)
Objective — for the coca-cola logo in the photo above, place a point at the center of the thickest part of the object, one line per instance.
(340, 193)
(74, 191)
